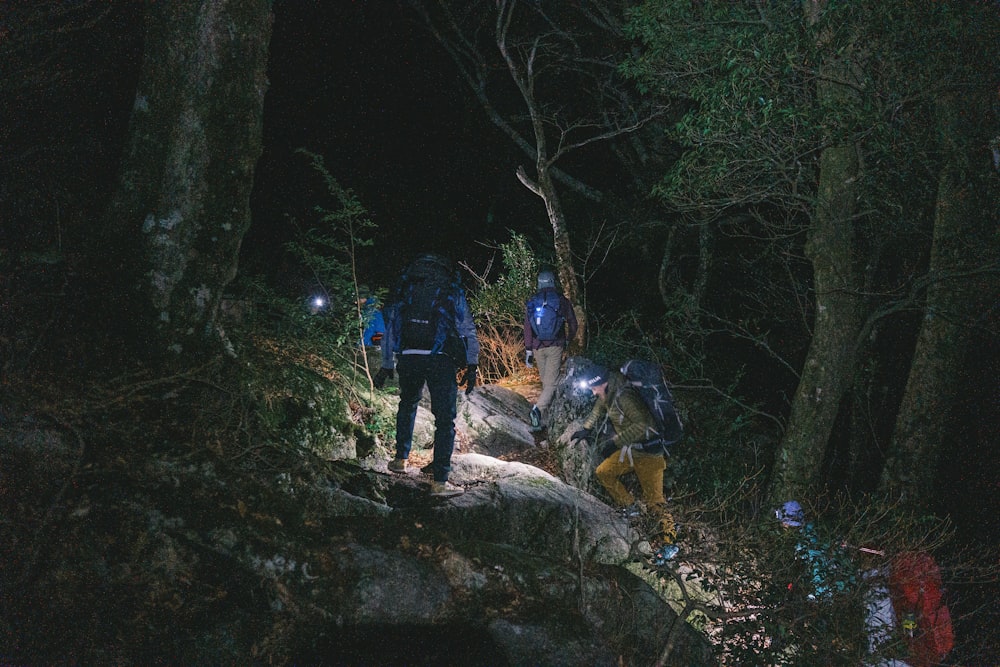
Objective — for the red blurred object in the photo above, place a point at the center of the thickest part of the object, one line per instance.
(915, 588)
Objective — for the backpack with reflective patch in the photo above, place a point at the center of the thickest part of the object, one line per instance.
(546, 321)
(427, 296)
(650, 383)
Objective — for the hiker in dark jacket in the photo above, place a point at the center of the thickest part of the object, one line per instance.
(450, 344)
(621, 408)
(547, 353)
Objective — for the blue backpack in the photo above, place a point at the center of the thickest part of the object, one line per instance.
(648, 380)
(546, 321)
(427, 296)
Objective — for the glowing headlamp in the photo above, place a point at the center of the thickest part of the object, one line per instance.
(588, 383)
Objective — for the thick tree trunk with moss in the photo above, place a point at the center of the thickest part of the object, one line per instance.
(195, 137)
(964, 265)
(830, 362)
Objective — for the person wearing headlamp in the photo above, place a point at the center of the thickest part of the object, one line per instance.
(621, 407)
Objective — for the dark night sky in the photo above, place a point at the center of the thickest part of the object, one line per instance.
(364, 86)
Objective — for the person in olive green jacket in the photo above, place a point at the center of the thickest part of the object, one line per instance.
(621, 407)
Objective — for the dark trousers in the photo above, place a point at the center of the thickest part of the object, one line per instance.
(438, 372)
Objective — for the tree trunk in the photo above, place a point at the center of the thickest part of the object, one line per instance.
(564, 256)
(829, 364)
(830, 246)
(195, 137)
(544, 186)
(964, 261)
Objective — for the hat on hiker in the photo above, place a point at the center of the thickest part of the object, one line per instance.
(592, 376)
(790, 514)
(433, 259)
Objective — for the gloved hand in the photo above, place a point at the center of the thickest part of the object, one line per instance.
(582, 434)
(380, 377)
(470, 378)
(529, 359)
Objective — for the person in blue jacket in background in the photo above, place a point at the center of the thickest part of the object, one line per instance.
(830, 571)
(371, 315)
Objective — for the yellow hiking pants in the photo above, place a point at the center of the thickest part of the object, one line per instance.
(648, 468)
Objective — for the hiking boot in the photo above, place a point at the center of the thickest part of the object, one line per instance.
(397, 465)
(428, 469)
(536, 418)
(668, 530)
(445, 489)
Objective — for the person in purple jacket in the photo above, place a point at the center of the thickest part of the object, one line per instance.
(549, 323)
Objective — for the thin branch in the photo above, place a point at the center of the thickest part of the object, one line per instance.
(472, 69)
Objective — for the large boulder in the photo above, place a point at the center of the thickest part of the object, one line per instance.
(522, 506)
(493, 420)
(185, 555)
(570, 402)
(525, 566)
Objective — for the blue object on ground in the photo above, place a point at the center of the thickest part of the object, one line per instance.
(665, 553)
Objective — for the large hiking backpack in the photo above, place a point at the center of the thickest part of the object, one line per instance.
(648, 380)
(915, 587)
(427, 295)
(546, 321)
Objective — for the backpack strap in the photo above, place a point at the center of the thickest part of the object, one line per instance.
(626, 451)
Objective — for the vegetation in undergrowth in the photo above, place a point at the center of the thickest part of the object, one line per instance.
(296, 396)
(768, 595)
(315, 379)
(497, 299)
(740, 578)
(156, 495)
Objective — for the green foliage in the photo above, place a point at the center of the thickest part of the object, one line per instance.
(738, 559)
(328, 249)
(750, 73)
(498, 306)
(766, 88)
(302, 409)
(298, 392)
(629, 336)
(308, 378)
(751, 121)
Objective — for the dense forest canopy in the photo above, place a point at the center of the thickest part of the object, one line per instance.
(793, 207)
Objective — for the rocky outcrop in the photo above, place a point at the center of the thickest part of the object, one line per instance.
(183, 555)
(524, 507)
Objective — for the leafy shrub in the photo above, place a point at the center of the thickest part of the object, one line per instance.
(498, 306)
(308, 379)
(328, 248)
